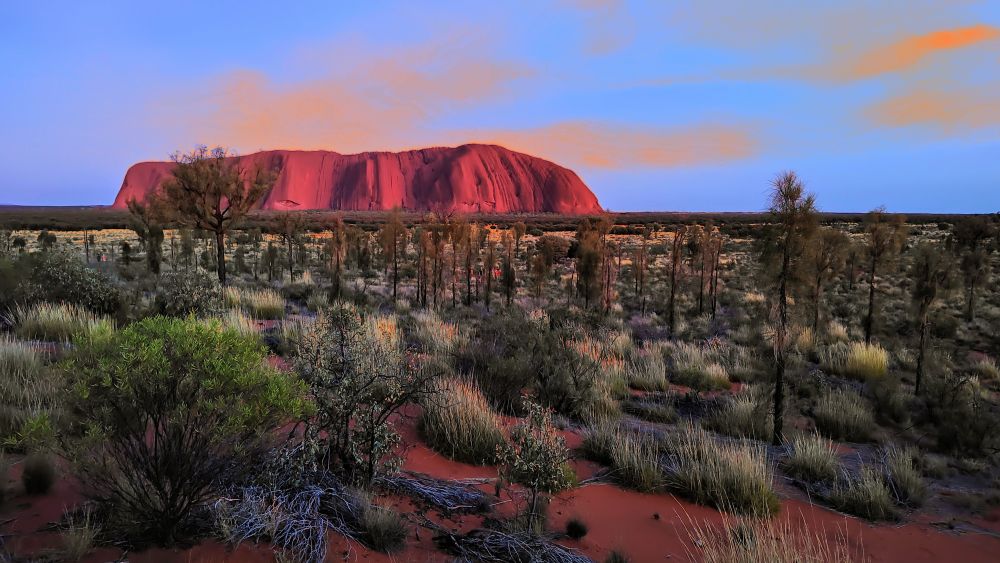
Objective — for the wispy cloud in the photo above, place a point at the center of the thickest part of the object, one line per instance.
(947, 111)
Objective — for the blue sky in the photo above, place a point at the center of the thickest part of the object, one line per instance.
(658, 105)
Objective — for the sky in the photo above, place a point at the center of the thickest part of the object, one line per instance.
(658, 105)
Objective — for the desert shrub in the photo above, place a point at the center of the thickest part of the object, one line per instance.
(733, 476)
(959, 410)
(635, 462)
(812, 458)
(38, 474)
(383, 529)
(576, 528)
(164, 412)
(459, 423)
(62, 277)
(844, 415)
(182, 293)
(864, 495)
(359, 378)
(745, 415)
(764, 541)
(536, 458)
(56, 322)
(903, 477)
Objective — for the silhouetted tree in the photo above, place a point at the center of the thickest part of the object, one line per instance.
(680, 234)
(884, 235)
(824, 256)
(931, 274)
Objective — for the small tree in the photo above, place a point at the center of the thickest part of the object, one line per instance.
(884, 235)
(359, 378)
(676, 246)
(159, 422)
(931, 273)
(536, 458)
(290, 226)
(824, 256)
(210, 190)
(393, 239)
(793, 213)
(150, 233)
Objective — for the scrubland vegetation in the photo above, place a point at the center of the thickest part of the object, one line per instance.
(732, 365)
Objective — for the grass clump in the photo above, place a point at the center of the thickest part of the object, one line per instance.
(258, 303)
(28, 393)
(651, 411)
(54, 322)
(857, 360)
(694, 367)
(812, 458)
(734, 476)
(635, 462)
(384, 530)
(865, 495)
(745, 415)
(39, 474)
(459, 423)
(646, 371)
(844, 415)
(764, 541)
(903, 477)
(79, 536)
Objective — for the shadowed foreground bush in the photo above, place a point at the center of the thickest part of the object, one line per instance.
(165, 411)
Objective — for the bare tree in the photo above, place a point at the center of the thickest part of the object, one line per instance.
(824, 256)
(675, 262)
(931, 274)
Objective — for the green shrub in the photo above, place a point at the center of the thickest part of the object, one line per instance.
(173, 408)
(812, 458)
(182, 293)
(731, 475)
(62, 277)
(459, 423)
(28, 391)
(39, 474)
(844, 415)
(865, 495)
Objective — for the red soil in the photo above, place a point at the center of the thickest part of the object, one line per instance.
(465, 179)
(616, 518)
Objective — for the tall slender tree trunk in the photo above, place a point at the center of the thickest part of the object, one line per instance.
(779, 372)
(870, 319)
(220, 255)
(921, 354)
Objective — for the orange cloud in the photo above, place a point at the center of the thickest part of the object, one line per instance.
(910, 51)
(946, 111)
(601, 145)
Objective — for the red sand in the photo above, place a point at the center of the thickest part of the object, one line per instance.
(465, 179)
(616, 518)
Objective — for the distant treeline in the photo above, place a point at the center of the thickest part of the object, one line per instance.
(98, 217)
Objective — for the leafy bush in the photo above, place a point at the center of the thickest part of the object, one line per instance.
(39, 474)
(358, 377)
(63, 277)
(166, 410)
(732, 476)
(844, 415)
(536, 457)
(458, 422)
(182, 293)
(865, 495)
(812, 458)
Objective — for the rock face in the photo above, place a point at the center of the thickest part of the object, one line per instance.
(465, 179)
